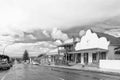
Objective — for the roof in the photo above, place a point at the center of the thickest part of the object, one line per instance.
(89, 50)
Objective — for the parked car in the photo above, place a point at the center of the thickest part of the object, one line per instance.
(35, 63)
(4, 66)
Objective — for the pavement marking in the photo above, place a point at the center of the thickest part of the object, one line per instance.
(61, 78)
(4, 76)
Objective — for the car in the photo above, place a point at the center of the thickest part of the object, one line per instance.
(35, 63)
(4, 66)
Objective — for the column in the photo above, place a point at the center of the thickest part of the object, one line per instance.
(82, 58)
(90, 57)
(98, 56)
(75, 58)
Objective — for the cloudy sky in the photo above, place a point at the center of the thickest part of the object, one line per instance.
(36, 24)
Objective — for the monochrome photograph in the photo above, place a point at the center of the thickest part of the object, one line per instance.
(59, 39)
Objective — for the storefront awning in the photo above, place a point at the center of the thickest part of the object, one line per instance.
(93, 50)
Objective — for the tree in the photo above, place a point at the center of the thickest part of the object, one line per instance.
(25, 55)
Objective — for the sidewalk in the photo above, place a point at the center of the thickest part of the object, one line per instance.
(90, 69)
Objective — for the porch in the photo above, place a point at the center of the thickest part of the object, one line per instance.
(88, 57)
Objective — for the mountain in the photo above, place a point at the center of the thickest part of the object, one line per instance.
(75, 32)
(113, 40)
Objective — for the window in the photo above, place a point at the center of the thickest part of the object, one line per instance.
(94, 55)
(103, 55)
(117, 52)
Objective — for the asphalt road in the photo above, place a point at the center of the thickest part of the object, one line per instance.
(36, 72)
(3, 73)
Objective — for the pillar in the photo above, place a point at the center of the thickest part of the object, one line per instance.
(90, 58)
(75, 58)
(82, 58)
(98, 56)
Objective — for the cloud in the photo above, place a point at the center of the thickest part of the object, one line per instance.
(34, 49)
(69, 41)
(46, 33)
(58, 42)
(21, 22)
(45, 44)
(82, 32)
(113, 32)
(58, 34)
(91, 40)
(31, 36)
(54, 13)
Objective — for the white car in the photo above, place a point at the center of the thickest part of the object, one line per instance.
(35, 63)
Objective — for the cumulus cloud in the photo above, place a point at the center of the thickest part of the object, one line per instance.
(91, 40)
(82, 32)
(58, 34)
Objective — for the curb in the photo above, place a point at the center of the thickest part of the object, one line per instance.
(86, 70)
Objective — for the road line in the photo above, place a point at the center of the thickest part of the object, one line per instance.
(61, 78)
(4, 76)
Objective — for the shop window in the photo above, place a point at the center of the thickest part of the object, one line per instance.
(103, 55)
(94, 55)
(79, 58)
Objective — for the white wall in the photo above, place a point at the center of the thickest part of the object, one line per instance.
(110, 64)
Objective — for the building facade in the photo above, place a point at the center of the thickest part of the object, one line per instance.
(90, 50)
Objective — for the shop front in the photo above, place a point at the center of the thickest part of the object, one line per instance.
(89, 56)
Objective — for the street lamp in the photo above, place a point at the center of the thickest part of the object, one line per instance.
(5, 48)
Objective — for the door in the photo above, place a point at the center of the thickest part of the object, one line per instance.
(86, 58)
(79, 58)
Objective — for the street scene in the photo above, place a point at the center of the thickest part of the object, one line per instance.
(59, 40)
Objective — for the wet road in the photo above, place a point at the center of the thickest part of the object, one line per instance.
(34, 72)
(2, 74)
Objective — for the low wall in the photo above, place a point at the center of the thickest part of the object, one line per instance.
(110, 64)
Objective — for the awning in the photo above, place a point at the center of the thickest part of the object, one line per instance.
(93, 50)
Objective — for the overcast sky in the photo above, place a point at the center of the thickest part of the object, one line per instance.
(28, 22)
